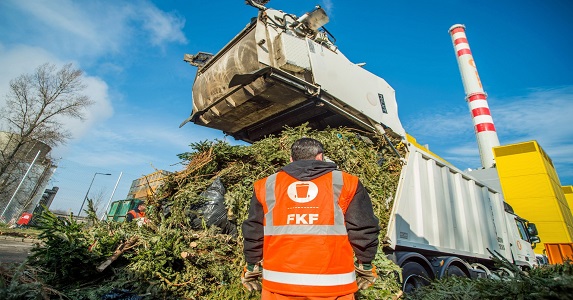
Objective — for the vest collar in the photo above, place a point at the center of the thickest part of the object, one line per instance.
(306, 170)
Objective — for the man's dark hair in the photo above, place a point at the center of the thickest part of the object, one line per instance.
(306, 148)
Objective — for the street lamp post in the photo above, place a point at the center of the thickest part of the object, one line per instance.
(86, 197)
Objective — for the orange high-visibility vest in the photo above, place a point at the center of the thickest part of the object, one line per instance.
(136, 215)
(306, 249)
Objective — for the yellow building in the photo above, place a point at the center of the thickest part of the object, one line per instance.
(568, 191)
(531, 186)
(144, 187)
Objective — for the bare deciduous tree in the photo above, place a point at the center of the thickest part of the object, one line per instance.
(34, 108)
(98, 200)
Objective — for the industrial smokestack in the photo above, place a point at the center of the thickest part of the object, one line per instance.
(475, 96)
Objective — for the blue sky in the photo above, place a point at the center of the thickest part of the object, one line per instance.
(132, 55)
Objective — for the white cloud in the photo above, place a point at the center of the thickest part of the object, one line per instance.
(110, 158)
(83, 31)
(94, 28)
(462, 152)
(163, 27)
(137, 142)
(543, 115)
(328, 7)
(23, 59)
(432, 127)
(62, 15)
(68, 28)
(101, 110)
(18, 60)
(143, 133)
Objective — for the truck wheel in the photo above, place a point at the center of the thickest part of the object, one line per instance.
(414, 276)
(505, 273)
(480, 267)
(454, 270)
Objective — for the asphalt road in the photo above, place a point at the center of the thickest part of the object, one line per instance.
(15, 250)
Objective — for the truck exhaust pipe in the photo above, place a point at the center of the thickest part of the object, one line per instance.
(475, 96)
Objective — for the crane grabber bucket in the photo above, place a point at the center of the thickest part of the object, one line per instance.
(283, 70)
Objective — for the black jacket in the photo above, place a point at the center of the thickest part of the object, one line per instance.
(129, 217)
(361, 223)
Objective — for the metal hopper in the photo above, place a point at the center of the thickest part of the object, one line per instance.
(282, 70)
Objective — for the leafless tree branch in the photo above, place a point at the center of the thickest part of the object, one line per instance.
(35, 104)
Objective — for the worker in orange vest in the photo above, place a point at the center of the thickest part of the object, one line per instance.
(306, 224)
(137, 213)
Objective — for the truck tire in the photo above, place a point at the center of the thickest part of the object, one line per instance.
(504, 273)
(480, 267)
(414, 276)
(454, 270)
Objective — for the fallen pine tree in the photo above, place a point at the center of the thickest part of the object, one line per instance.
(185, 253)
(543, 283)
(179, 255)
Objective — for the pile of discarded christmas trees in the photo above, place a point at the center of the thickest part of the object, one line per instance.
(192, 246)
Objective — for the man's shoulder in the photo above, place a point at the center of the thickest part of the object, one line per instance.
(262, 180)
(345, 173)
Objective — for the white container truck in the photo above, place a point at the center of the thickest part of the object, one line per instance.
(283, 69)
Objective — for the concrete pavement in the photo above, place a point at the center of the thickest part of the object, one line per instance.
(15, 249)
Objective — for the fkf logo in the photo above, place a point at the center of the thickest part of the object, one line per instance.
(302, 219)
(302, 191)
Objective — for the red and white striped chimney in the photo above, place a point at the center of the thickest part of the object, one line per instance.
(475, 96)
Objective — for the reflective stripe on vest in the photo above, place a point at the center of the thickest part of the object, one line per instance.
(310, 279)
(338, 228)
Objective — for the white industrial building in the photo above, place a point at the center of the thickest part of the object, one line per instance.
(27, 178)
